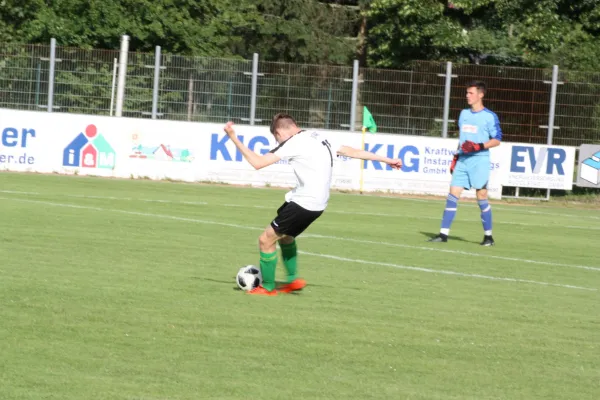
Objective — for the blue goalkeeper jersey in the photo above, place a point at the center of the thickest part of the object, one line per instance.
(478, 127)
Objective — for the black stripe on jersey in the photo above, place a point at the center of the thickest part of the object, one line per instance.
(282, 143)
(278, 147)
(326, 144)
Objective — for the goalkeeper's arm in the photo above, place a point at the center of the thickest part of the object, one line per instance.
(472, 147)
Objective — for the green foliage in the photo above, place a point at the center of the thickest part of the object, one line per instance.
(281, 30)
(179, 26)
(207, 79)
(509, 32)
(14, 16)
(303, 31)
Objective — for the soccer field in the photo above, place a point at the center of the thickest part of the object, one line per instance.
(122, 289)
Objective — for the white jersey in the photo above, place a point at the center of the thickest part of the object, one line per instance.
(311, 156)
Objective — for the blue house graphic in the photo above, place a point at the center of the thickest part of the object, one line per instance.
(72, 153)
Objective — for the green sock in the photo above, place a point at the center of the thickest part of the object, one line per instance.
(290, 259)
(268, 263)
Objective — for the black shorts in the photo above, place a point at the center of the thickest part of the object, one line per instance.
(292, 219)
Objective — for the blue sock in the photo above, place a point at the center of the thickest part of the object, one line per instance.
(486, 216)
(449, 213)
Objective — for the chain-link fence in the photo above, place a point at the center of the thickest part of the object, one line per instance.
(24, 76)
(83, 80)
(197, 89)
(317, 96)
(216, 90)
(578, 108)
(520, 97)
(407, 102)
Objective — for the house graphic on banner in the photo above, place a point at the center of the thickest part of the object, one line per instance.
(162, 152)
(89, 150)
(590, 169)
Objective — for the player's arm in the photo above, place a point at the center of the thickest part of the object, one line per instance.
(256, 160)
(495, 134)
(491, 143)
(352, 152)
(472, 147)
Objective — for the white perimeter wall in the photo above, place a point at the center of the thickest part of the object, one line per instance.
(127, 147)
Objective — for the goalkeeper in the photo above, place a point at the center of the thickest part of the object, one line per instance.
(479, 131)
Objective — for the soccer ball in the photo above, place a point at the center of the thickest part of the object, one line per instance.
(249, 277)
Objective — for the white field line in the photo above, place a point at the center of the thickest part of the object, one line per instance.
(517, 209)
(382, 243)
(438, 249)
(208, 222)
(142, 214)
(497, 221)
(76, 196)
(439, 271)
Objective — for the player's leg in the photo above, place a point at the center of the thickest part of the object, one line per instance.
(268, 261)
(292, 221)
(480, 179)
(486, 217)
(268, 250)
(460, 180)
(289, 254)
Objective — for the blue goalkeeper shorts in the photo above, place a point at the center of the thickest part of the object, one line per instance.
(471, 172)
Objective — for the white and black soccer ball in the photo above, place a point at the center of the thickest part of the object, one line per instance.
(249, 277)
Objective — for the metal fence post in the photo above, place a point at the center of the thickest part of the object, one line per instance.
(329, 100)
(51, 74)
(447, 99)
(122, 73)
(229, 100)
(156, 82)
(254, 88)
(190, 97)
(112, 86)
(354, 95)
(38, 81)
(551, 114)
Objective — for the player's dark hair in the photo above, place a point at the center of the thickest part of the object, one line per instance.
(281, 120)
(480, 85)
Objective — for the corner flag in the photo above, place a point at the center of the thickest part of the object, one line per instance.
(368, 121)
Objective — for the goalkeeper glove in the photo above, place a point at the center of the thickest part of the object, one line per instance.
(453, 164)
(471, 147)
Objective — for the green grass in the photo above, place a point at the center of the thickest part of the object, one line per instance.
(117, 289)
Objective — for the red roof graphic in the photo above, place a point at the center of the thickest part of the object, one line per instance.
(166, 150)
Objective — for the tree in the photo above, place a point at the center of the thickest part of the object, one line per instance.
(509, 32)
(404, 30)
(304, 31)
(281, 30)
(180, 26)
(14, 16)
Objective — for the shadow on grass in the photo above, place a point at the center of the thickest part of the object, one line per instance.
(277, 284)
(430, 235)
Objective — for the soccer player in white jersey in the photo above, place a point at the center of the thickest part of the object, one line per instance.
(311, 157)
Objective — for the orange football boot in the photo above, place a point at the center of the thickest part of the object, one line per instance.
(262, 291)
(296, 284)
